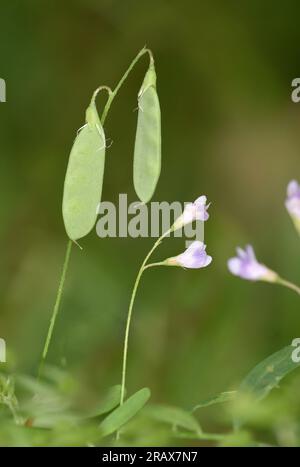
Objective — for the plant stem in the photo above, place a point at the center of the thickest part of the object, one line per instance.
(201, 436)
(16, 417)
(113, 94)
(101, 88)
(289, 285)
(57, 303)
(152, 265)
(129, 315)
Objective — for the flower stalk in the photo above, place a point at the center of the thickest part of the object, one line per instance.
(292, 203)
(288, 284)
(56, 305)
(246, 266)
(143, 267)
(194, 257)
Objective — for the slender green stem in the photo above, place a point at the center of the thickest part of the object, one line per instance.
(129, 316)
(152, 265)
(57, 303)
(113, 94)
(289, 285)
(201, 436)
(16, 417)
(101, 88)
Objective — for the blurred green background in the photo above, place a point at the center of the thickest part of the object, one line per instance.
(230, 131)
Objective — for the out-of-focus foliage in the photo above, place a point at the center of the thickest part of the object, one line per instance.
(54, 411)
(229, 130)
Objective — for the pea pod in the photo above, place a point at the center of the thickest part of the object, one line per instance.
(84, 177)
(147, 151)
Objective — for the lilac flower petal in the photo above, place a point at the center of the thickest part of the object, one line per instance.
(250, 253)
(201, 214)
(234, 266)
(293, 207)
(194, 256)
(188, 213)
(293, 188)
(201, 200)
(193, 211)
(292, 202)
(241, 253)
(208, 261)
(201, 208)
(246, 266)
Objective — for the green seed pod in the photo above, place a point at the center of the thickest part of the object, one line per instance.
(84, 177)
(147, 151)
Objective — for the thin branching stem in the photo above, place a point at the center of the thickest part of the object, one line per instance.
(113, 94)
(129, 315)
(57, 304)
(289, 285)
(152, 265)
(201, 436)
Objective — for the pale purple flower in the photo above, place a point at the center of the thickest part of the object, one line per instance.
(194, 257)
(246, 266)
(292, 201)
(192, 212)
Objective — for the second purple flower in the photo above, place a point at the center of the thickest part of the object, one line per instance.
(246, 266)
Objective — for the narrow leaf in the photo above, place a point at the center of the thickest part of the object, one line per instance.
(267, 374)
(261, 380)
(110, 401)
(174, 416)
(125, 412)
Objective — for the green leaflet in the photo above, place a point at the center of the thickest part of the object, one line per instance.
(110, 401)
(174, 416)
(124, 412)
(84, 177)
(267, 374)
(147, 150)
(262, 379)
